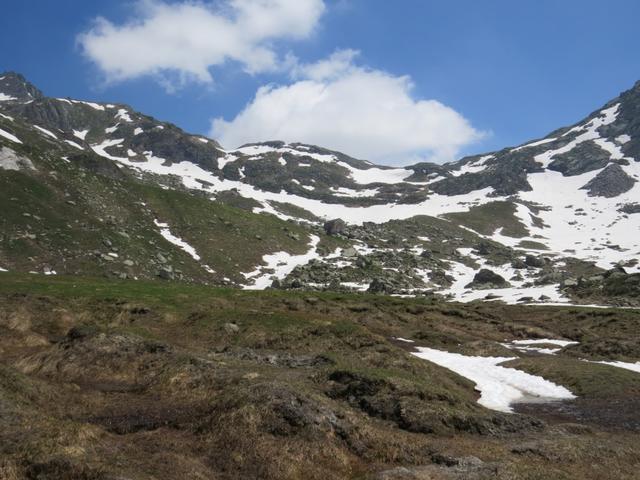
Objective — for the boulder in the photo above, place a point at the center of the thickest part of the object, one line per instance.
(486, 278)
(533, 261)
(378, 286)
(335, 227)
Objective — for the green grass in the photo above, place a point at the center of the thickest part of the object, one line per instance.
(582, 378)
(488, 218)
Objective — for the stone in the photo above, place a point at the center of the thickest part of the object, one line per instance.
(518, 264)
(166, 273)
(486, 278)
(349, 252)
(533, 261)
(231, 328)
(378, 286)
(335, 227)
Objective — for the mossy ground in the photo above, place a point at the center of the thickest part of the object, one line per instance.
(121, 379)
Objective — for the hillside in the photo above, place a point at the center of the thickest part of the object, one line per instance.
(99, 189)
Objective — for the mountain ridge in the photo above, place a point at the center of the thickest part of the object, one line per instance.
(538, 199)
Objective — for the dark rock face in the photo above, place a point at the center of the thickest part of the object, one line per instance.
(585, 157)
(486, 278)
(507, 175)
(610, 182)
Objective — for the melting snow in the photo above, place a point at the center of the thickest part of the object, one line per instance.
(123, 115)
(138, 131)
(520, 288)
(527, 345)
(9, 136)
(46, 132)
(81, 134)
(192, 177)
(622, 139)
(95, 106)
(534, 144)
(4, 97)
(282, 264)
(74, 144)
(634, 367)
(499, 387)
(406, 340)
(606, 117)
(178, 242)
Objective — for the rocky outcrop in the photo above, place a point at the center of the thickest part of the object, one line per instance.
(585, 157)
(610, 182)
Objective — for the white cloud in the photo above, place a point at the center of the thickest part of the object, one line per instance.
(366, 113)
(190, 37)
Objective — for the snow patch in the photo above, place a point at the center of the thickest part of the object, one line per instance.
(528, 345)
(499, 387)
(123, 115)
(178, 242)
(533, 144)
(95, 106)
(46, 132)
(282, 264)
(81, 134)
(634, 367)
(9, 136)
(74, 144)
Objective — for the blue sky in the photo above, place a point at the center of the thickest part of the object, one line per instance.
(502, 71)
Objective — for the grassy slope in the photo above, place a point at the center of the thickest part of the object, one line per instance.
(72, 210)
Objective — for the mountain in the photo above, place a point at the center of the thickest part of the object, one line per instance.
(100, 189)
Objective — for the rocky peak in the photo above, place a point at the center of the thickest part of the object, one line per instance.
(16, 87)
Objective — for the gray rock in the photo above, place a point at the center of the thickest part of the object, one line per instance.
(486, 278)
(166, 273)
(335, 227)
(610, 182)
(378, 286)
(350, 252)
(533, 261)
(231, 328)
